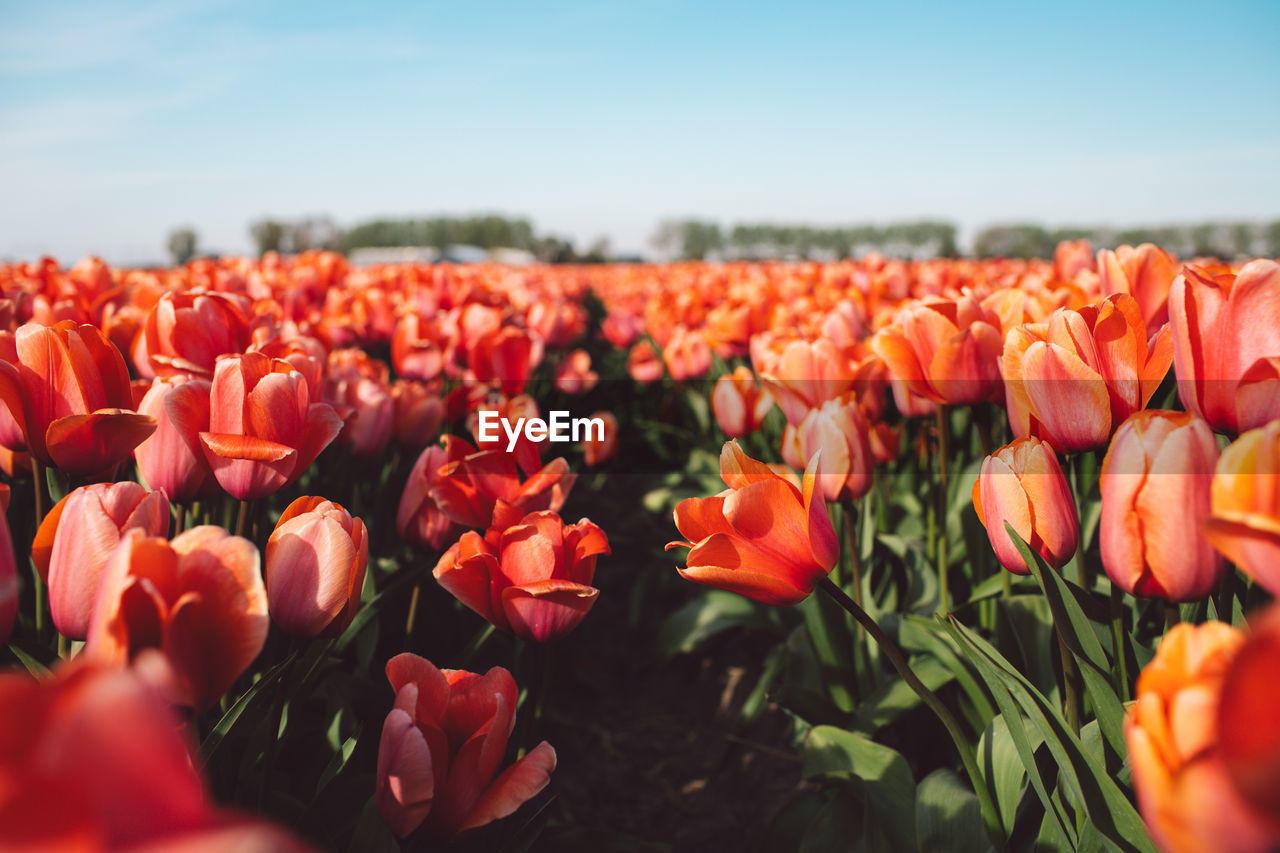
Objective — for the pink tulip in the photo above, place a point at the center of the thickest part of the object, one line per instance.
(316, 560)
(165, 460)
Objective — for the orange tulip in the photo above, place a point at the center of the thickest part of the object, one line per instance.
(738, 403)
(643, 363)
(687, 354)
(945, 350)
(417, 347)
(762, 537)
(186, 332)
(806, 375)
(93, 759)
(263, 428)
(506, 358)
(165, 460)
(1171, 731)
(419, 519)
(199, 599)
(77, 536)
(528, 453)
(483, 489)
(1144, 273)
(535, 583)
(1022, 484)
(596, 451)
(838, 429)
(69, 391)
(418, 413)
(1155, 485)
(1075, 378)
(574, 375)
(442, 745)
(1226, 344)
(1244, 518)
(315, 566)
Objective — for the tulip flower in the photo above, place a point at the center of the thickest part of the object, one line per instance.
(506, 358)
(1022, 484)
(1144, 273)
(527, 452)
(199, 599)
(1075, 378)
(483, 488)
(165, 460)
(315, 566)
(598, 450)
(1155, 484)
(687, 354)
(418, 414)
(574, 375)
(738, 403)
(643, 363)
(762, 537)
(1244, 519)
(69, 392)
(1226, 344)
(535, 582)
(186, 332)
(840, 431)
(1248, 734)
(417, 347)
(367, 429)
(263, 428)
(419, 519)
(441, 747)
(76, 538)
(1185, 793)
(93, 759)
(806, 375)
(945, 350)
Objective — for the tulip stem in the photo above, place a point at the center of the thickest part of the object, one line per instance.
(242, 518)
(180, 520)
(899, 661)
(944, 596)
(1117, 642)
(413, 611)
(1171, 615)
(39, 475)
(1070, 683)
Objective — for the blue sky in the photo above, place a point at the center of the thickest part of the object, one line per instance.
(118, 122)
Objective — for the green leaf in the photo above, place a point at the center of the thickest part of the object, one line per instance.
(888, 789)
(837, 826)
(215, 737)
(708, 614)
(948, 817)
(1001, 765)
(832, 639)
(895, 697)
(1084, 774)
(1079, 635)
(33, 665)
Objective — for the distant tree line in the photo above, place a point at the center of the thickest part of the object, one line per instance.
(1217, 239)
(697, 239)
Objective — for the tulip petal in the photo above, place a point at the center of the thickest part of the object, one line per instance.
(1068, 397)
(518, 784)
(88, 444)
(406, 775)
(544, 609)
(728, 563)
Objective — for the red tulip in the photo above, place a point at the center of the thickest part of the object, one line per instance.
(186, 332)
(199, 599)
(1226, 344)
(315, 567)
(596, 450)
(1022, 484)
(93, 759)
(574, 375)
(263, 428)
(442, 745)
(165, 460)
(419, 519)
(418, 414)
(763, 537)
(69, 391)
(1155, 484)
(77, 536)
(535, 583)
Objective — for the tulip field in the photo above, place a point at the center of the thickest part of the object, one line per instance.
(874, 554)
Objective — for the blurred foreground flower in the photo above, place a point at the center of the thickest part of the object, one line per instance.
(1244, 521)
(442, 745)
(762, 537)
(93, 759)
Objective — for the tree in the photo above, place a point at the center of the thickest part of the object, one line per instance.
(268, 234)
(182, 245)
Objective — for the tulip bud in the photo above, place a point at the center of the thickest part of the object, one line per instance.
(1244, 523)
(316, 560)
(76, 538)
(1022, 484)
(738, 403)
(165, 459)
(1155, 484)
(840, 431)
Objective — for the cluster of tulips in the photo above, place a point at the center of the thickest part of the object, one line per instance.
(161, 405)
(1042, 499)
